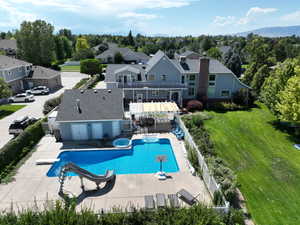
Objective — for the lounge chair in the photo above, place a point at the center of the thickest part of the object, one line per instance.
(160, 200)
(187, 197)
(149, 202)
(173, 199)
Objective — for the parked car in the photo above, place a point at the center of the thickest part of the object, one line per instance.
(39, 90)
(19, 125)
(24, 97)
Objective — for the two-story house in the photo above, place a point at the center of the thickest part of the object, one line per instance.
(21, 75)
(188, 76)
(13, 71)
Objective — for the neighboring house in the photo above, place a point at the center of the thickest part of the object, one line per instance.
(129, 56)
(41, 76)
(13, 71)
(224, 50)
(21, 75)
(186, 77)
(92, 114)
(9, 46)
(187, 54)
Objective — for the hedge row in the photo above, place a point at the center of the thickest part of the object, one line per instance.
(59, 214)
(18, 148)
(223, 174)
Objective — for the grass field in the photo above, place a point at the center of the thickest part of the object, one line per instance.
(70, 68)
(265, 161)
(6, 110)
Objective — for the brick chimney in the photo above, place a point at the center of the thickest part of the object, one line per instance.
(203, 79)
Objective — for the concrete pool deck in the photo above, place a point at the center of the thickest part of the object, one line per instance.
(32, 187)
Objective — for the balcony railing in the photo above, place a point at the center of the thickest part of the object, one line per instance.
(143, 84)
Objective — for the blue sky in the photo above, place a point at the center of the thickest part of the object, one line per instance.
(168, 17)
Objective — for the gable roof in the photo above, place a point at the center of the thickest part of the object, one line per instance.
(157, 57)
(112, 69)
(8, 62)
(39, 72)
(128, 68)
(95, 105)
(8, 44)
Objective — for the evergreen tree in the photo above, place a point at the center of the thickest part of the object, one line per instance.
(130, 39)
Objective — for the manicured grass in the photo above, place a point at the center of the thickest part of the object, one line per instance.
(6, 110)
(70, 68)
(265, 161)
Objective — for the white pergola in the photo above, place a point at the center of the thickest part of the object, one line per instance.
(154, 109)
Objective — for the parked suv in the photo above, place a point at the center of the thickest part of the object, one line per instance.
(19, 125)
(39, 90)
(24, 97)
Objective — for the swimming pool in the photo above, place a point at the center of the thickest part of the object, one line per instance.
(140, 159)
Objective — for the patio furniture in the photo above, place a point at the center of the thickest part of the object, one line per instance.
(149, 202)
(160, 200)
(173, 199)
(187, 197)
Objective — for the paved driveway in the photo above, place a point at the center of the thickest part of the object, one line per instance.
(35, 109)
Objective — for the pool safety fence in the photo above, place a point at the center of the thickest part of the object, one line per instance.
(208, 178)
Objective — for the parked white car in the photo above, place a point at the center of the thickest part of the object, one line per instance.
(24, 97)
(39, 90)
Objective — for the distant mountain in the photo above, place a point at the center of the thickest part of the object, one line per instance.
(274, 31)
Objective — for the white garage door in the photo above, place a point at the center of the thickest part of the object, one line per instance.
(79, 131)
(97, 130)
(116, 128)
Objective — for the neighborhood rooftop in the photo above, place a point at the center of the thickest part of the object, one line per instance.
(8, 44)
(8, 62)
(42, 72)
(91, 105)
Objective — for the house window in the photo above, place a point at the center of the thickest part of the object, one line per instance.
(182, 79)
(163, 77)
(191, 84)
(151, 77)
(211, 84)
(191, 91)
(192, 77)
(139, 77)
(146, 77)
(225, 93)
(212, 77)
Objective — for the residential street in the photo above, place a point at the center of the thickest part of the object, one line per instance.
(35, 109)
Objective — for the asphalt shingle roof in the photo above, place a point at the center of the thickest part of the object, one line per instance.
(95, 104)
(8, 44)
(8, 62)
(39, 72)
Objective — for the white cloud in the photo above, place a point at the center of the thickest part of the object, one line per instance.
(14, 16)
(292, 17)
(224, 20)
(253, 13)
(138, 15)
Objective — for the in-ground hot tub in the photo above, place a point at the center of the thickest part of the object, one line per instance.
(122, 143)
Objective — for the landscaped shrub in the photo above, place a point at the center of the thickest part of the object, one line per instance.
(223, 175)
(193, 157)
(226, 106)
(194, 105)
(50, 104)
(16, 149)
(67, 215)
(243, 97)
(81, 83)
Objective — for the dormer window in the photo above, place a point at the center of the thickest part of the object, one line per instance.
(182, 79)
(164, 77)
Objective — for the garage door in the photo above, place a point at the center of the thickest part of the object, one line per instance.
(97, 130)
(116, 128)
(79, 131)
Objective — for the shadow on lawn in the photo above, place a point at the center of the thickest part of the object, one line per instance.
(4, 113)
(288, 128)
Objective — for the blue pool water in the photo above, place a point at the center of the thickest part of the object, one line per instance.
(141, 158)
(121, 142)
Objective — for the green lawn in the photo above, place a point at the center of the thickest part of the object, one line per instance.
(6, 110)
(70, 68)
(263, 157)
